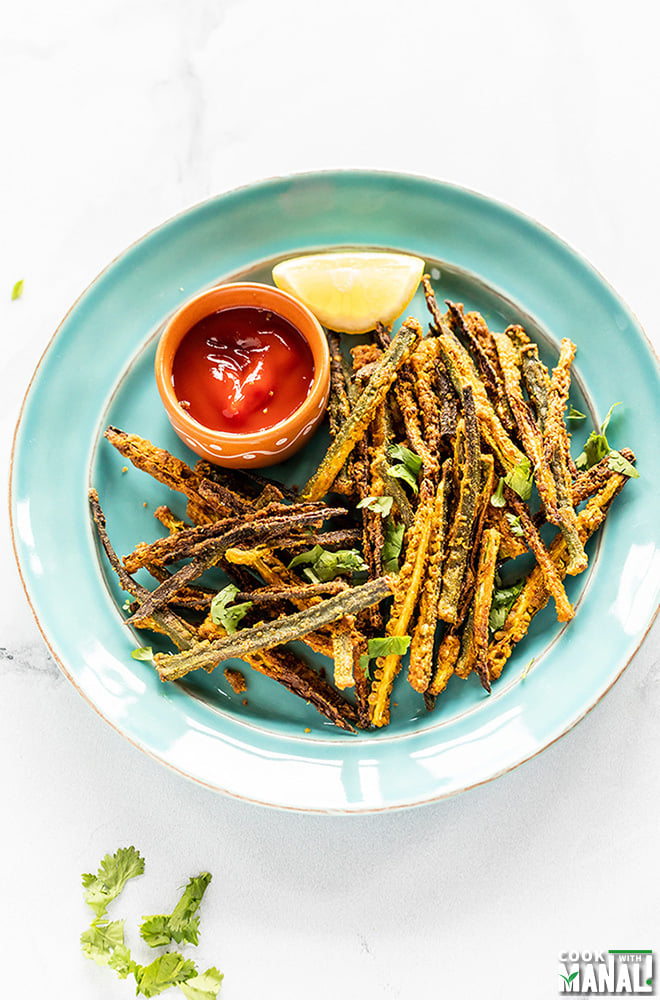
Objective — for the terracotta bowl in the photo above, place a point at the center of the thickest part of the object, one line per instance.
(264, 447)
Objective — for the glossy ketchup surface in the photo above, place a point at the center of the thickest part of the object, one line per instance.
(242, 370)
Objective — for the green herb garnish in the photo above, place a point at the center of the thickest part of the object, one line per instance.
(527, 669)
(502, 602)
(181, 924)
(112, 876)
(383, 646)
(204, 986)
(497, 499)
(574, 414)
(325, 566)
(392, 545)
(167, 970)
(17, 290)
(515, 525)
(618, 463)
(596, 447)
(103, 941)
(407, 466)
(520, 479)
(379, 505)
(143, 653)
(100, 940)
(229, 617)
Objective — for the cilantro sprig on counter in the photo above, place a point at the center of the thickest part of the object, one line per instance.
(104, 943)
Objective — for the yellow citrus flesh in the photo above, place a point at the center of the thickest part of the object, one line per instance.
(350, 291)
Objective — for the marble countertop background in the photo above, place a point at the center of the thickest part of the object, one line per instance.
(117, 115)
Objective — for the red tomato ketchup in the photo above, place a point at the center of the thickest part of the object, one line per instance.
(242, 370)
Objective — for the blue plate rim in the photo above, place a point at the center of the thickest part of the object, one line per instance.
(205, 204)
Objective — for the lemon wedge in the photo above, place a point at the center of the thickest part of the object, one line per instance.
(350, 291)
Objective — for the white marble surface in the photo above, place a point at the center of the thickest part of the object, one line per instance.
(117, 115)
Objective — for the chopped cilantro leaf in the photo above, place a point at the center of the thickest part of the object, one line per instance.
(406, 456)
(379, 505)
(122, 963)
(167, 970)
(574, 414)
(597, 446)
(142, 653)
(618, 463)
(497, 499)
(520, 479)
(383, 646)
(17, 290)
(608, 416)
(222, 614)
(182, 924)
(202, 987)
(101, 938)
(112, 876)
(325, 566)
(407, 466)
(515, 525)
(392, 545)
(527, 669)
(502, 602)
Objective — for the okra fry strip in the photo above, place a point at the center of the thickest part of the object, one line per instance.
(448, 404)
(295, 675)
(210, 551)
(177, 545)
(461, 531)
(536, 546)
(489, 371)
(560, 382)
(407, 398)
(529, 431)
(392, 487)
(299, 678)
(537, 382)
(267, 595)
(592, 480)
(461, 371)
(549, 397)
(406, 591)
(339, 407)
(421, 647)
(448, 652)
(273, 571)
(266, 635)
(165, 468)
(342, 648)
(168, 519)
(557, 451)
(467, 656)
(424, 364)
(362, 413)
(535, 594)
(483, 596)
(181, 634)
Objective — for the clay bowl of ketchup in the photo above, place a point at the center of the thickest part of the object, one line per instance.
(243, 371)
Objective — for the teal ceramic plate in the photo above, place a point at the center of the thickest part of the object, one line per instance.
(276, 750)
